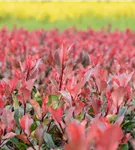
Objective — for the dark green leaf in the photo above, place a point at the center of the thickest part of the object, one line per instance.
(122, 112)
(33, 127)
(34, 91)
(124, 147)
(14, 140)
(49, 141)
(28, 107)
(128, 126)
(16, 117)
(80, 116)
(21, 146)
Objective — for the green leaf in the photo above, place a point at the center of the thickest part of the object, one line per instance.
(34, 91)
(55, 106)
(54, 97)
(49, 141)
(112, 118)
(28, 107)
(21, 146)
(33, 127)
(81, 116)
(53, 100)
(16, 117)
(46, 122)
(124, 147)
(122, 112)
(38, 97)
(129, 125)
(14, 140)
(15, 102)
(133, 102)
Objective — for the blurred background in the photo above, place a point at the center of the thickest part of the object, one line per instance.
(58, 14)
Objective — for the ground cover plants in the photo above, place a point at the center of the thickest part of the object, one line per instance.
(102, 9)
(71, 90)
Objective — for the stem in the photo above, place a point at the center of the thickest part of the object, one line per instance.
(49, 126)
(43, 115)
(118, 108)
(131, 115)
(24, 109)
(1, 144)
(28, 72)
(30, 143)
(61, 128)
(24, 103)
(29, 140)
(61, 77)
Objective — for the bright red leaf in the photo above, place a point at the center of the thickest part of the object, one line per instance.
(25, 123)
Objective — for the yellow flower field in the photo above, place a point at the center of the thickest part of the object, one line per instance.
(53, 11)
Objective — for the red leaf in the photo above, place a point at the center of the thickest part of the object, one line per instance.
(56, 114)
(39, 133)
(87, 75)
(54, 83)
(67, 97)
(44, 105)
(25, 123)
(106, 136)
(7, 119)
(101, 84)
(123, 79)
(9, 135)
(13, 84)
(76, 136)
(79, 107)
(24, 95)
(118, 96)
(107, 142)
(96, 104)
(63, 53)
(77, 88)
(29, 84)
(133, 80)
(34, 72)
(132, 141)
(117, 81)
(81, 83)
(1, 132)
(68, 69)
(23, 138)
(57, 61)
(69, 116)
(126, 138)
(117, 66)
(1, 103)
(108, 96)
(76, 132)
(70, 47)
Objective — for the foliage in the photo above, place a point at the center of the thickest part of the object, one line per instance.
(67, 90)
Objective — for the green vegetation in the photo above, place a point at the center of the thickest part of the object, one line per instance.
(82, 23)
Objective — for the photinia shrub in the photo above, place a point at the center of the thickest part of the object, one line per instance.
(67, 90)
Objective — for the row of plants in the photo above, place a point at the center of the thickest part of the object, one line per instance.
(42, 10)
(67, 90)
